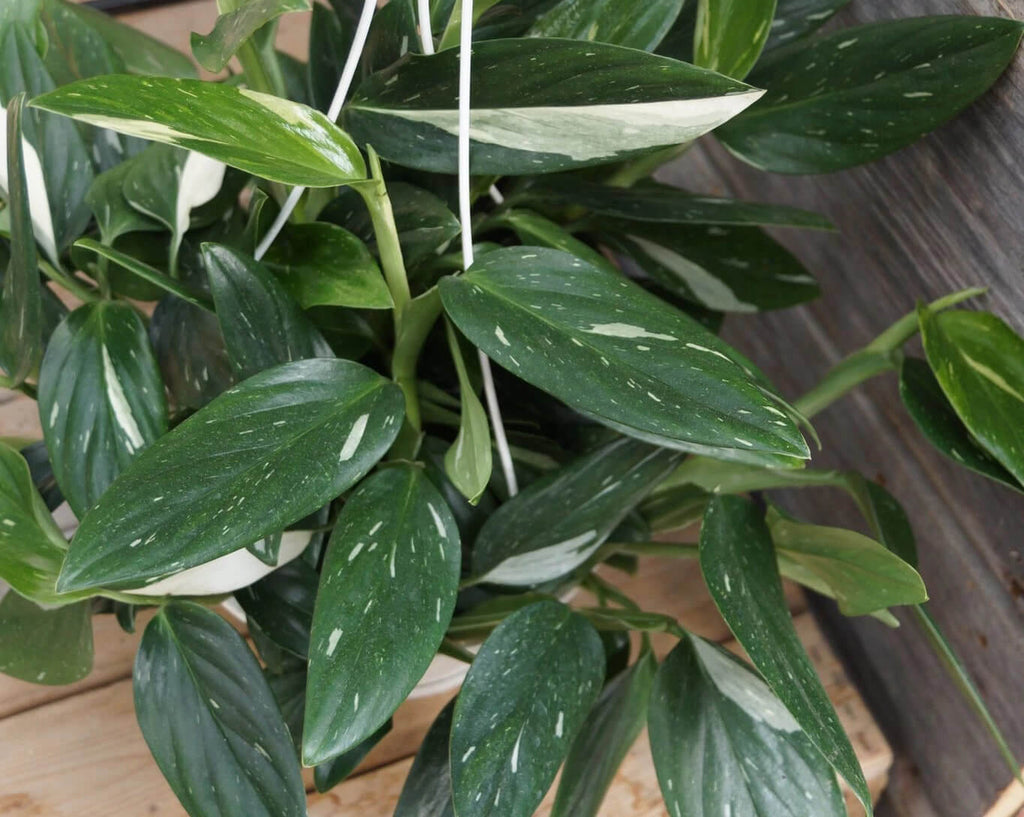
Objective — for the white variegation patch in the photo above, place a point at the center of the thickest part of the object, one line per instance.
(201, 179)
(118, 402)
(38, 201)
(540, 565)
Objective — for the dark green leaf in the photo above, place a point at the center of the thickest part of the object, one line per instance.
(609, 731)
(536, 230)
(114, 215)
(392, 34)
(938, 421)
(566, 114)
(724, 744)
(211, 721)
(21, 312)
(656, 202)
(737, 559)
(330, 38)
(428, 788)
(45, 646)
(514, 718)
(325, 265)
(609, 21)
(979, 363)
(282, 605)
(560, 521)
(261, 324)
(886, 517)
(729, 269)
(859, 93)
(286, 676)
(330, 773)
(101, 399)
(607, 348)
(212, 51)
(296, 144)
(730, 34)
(387, 593)
(250, 463)
(468, 461)
(796, 19)
(75, 50)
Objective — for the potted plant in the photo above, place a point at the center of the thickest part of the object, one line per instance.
(275, 384)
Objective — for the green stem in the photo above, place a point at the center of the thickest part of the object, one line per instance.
(676, 550)
(604, 589)
(630, 173)
(69, 282)
(455, 650)
(375, 194)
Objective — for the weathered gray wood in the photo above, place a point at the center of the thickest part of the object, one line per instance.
(942, 215)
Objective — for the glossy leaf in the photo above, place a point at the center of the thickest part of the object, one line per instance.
(468, 462)
(114, 215)
(387, 593)
(536, 230)
(860, 93)
(566, 116)
(938, 421)
(730, 34)
(330, 37)
(324, 265)
(861, 574)
(729, 269)
(724, 744)
(514, 719)
(979, 363)
(558, 522)
(611, 728)
(796, 19)
(74, 49)
(101, 399)
(261, 324)
(213, 51)
(211, 721)
(45, 646)
(607, 348)
(428, 787)
(329, 774)
(737, 559)
(21, 311)
(230, 473)
(296, 144)
(656, 202)
(281, 605)
(887, 519)
(632, 25)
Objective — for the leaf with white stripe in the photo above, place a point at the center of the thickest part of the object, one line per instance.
(515, 719)
(979, 363)
(101, 399)
(233, 28)
(580, 104)
(270, 451)
(296, 145)
(797, 19)
(468, 462)
(607, 348)
(730, 34)
(857, 94)
(634, 25)
(724, 744)
(558, 522)
(387, 592)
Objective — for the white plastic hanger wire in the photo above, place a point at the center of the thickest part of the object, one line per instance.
(344, 83)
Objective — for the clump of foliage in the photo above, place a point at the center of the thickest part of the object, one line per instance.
(272, 383)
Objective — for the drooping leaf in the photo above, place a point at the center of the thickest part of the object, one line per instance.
(655, 202)
(45, 646)
(979, 363)
(724, 744)
(468, 461)
(730, 34)
(211, 721)
(329, 774)
(729, 269)
(101, 399)
(213, 51)
(594, 331)
(261, 324)
(428, 787)
(861, 574)
(514, 719)
(296, 144)
(325, 265)
(114, 215)
(796, 19)
(282, 606)
(387, 593)
(609, 21)
(566, 115)
(74, 49)
(610, 730)
(860, 93)
(737, 559)
(249, 464)
(21, 311)
(556, 523)
(938, 421)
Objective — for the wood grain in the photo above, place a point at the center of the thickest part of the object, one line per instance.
(942, 215)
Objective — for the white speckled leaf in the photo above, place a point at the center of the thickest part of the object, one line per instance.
(605, 347)
(387, 592)
(724, 744)
(233, 28)
(515, 718)
(634, 25)
(796, 19)
(263, 455)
